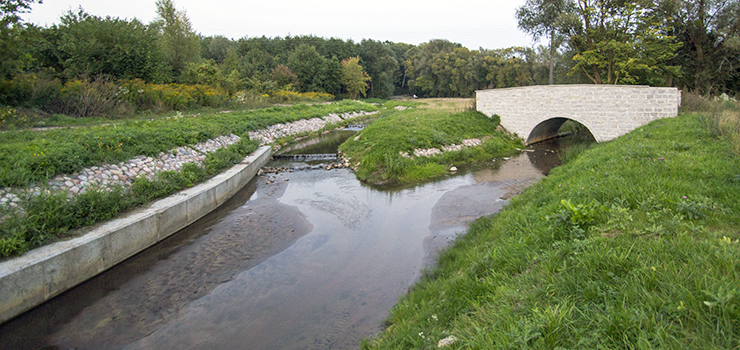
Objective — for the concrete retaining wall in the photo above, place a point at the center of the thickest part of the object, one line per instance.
(608, 111)
(43, 273)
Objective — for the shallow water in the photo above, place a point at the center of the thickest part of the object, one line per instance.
(311, 260)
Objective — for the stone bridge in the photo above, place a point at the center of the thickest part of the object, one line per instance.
(535, 113)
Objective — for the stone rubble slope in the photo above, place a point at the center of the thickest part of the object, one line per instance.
(274, 132)
(429, 152)
(124, 173)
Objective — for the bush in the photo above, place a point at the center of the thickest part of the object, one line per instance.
(31, 90)
(292, 96)
(10, 117)
(167, 97)
(85, 98)
(250, 99)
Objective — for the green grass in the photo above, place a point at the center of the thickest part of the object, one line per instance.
(28, 157)
(34, 156)
(377, 148)
(631, 244)
(52, 215)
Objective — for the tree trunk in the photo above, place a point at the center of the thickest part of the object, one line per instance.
(698, 42)
(552, 56)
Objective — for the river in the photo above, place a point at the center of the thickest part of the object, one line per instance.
(303, 259)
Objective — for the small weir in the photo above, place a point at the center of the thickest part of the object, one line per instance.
(297, 260)
(355, 127)
(306, 157)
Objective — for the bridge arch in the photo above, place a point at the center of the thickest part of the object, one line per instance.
(548, 129)
(535, 113)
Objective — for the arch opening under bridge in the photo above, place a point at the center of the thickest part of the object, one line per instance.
(552, 128)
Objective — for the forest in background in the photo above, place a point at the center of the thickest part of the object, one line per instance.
(89, 65)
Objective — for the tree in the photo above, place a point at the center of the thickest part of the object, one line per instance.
(11, 9)
(284, 78)
(353, 77)
(257, 62)
(179, 42)
(216, 48)
(422, 77)
(402, 51)
(545, 17)
(710, 33)
(12, 59)
(309, 66)
(616, 41)
(92, 45)
(380, 63)
(505, 68)
(332, 76)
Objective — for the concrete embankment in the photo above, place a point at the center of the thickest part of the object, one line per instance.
(43, 273)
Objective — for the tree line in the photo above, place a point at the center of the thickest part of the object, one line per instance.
(692, 44)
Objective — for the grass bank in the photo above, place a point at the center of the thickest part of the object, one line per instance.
(631, 244)
(33, 156)
(28, 157)
(379, 149)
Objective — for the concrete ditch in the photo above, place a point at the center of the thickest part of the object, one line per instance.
(41, 274)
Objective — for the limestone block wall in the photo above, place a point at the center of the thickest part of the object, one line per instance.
(608, 111)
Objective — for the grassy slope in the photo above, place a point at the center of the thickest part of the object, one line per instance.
(28, 156)
(642, 253)
(440, 123)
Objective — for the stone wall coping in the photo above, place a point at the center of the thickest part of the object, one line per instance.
(558, 86)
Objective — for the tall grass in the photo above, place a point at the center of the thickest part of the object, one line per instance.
(633, 244)
(720, 118)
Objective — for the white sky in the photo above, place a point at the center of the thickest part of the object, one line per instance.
(473, 23)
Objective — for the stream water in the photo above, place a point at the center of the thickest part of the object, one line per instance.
(309, 259)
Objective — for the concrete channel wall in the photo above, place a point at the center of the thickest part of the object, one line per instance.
(43, 273)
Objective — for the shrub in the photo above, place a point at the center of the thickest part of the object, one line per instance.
(250, 99)
(34, 90)
(85, 98)
(165, 97)
(292, 96)
(10, 116)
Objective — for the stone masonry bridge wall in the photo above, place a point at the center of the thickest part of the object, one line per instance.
(535, 113)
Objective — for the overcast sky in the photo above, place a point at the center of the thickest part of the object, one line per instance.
(473, 23)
